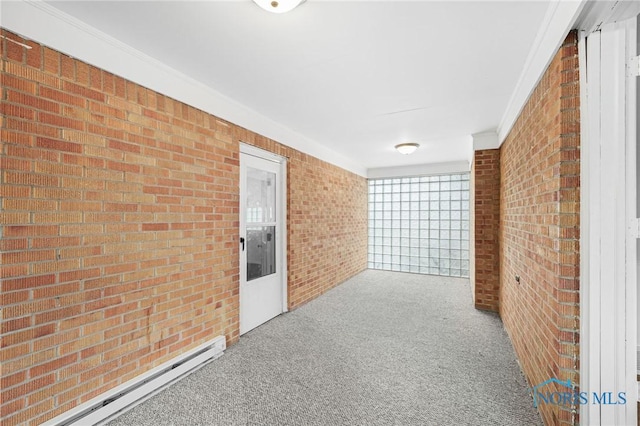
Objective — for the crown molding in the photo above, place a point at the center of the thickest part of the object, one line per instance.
(559, 20)
(419, 170)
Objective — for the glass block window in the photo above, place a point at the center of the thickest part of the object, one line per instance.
(420, 224)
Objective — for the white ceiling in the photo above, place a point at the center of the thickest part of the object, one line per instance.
(355, 77)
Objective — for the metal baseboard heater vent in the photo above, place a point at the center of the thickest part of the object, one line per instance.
(117, 401)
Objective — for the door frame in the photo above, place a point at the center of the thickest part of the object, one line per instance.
(608, 225)
(281, 215)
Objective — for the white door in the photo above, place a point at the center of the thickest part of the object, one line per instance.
(262, 256)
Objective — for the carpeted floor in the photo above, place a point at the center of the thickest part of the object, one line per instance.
(384, 348)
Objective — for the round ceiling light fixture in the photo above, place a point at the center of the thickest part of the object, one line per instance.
(407, 148)
(278, 6)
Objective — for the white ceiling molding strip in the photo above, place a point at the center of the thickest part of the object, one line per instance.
(559, 20)
(419, 170)
(37, 20)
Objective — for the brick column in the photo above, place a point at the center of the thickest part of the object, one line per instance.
(485, 225)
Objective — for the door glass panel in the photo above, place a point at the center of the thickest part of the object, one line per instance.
(261, 251)
(261, 196)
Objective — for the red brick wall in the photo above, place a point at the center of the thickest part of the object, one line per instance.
(119, 224)
(485, 223)
(539, 210)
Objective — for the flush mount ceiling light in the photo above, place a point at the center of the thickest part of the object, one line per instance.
(278, 6)
(407, 148)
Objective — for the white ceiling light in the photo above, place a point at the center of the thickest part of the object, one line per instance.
(407, 148)
(278, 6)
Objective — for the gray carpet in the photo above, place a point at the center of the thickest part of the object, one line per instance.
(384, 348)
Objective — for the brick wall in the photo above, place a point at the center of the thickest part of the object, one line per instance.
(119, 224)
(539, 210)
(485, 223)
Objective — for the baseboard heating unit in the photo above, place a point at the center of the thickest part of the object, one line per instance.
(109, 405)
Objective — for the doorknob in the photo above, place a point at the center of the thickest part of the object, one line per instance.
(242, 242)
